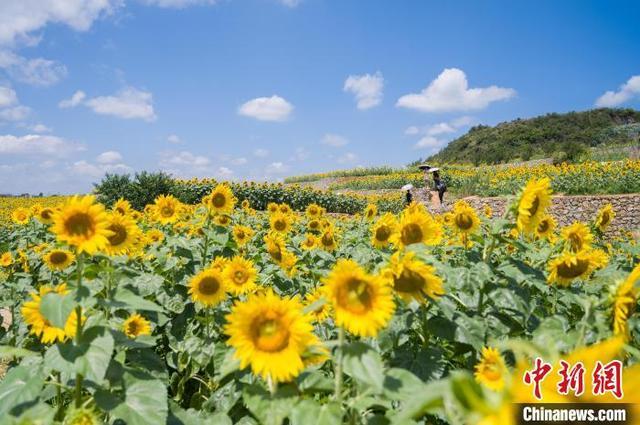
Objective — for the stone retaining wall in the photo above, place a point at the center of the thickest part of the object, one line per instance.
(567, 209)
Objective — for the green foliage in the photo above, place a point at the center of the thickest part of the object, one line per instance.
(354, 172)
(140, 190)
(541, 137)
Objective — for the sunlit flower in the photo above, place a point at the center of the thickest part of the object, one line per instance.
(605, 217)
(136, 325)
(271, 335)
(208, 287)
(533, 203)
(242, 234)
(313, 211)
(20, 215)
(577, 236)
(382, 230)
(221, 200)
(166, 209)
(317, 305)
(240, 275)
(124, 234)
(155, 235)
(625, 301)
(546, 227)
(327, 241)
(309, 242)
(491, 370)
(83, 224)
(38, 323)
(412, 279)
(280, 222)
(465, 220)
(45, 215)
(81, 416)
(121, 206)
(416, 226)
(6, 259)
(570, 266)
(58, 259)
(370, 211)
(362, 303)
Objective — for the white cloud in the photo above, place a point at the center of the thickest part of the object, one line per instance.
(301, 154)
(272, 108)
(185, 159)
(367, 89)
(174, 139)
(73, 101)
(109, 157)
(261, 153)
(37, 72)
(8, 97)
(41, 128)
(412, 130)
(290, 3)
(178, 4)
(334, 140)
(450, 92)
(20, 18)
(128, 103)
(347, 158)
(626, 92)
(36, 144)
(16, 113)
(224, 172)
(239, 161)
(430, 142)
(98, 170)
(276, 168)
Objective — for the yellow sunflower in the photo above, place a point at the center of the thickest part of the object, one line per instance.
(155, 235)
(362, 303)
(285, 209)
(382, 230)
(416, 226)
(242, 234)
(272, 207)
(569, 266)
(58, 259)
(313, 211)
(39, 325)
(533, 203)
(45, 215)
(412, 279)
(280, 222)
(6, 259)
(465, 220)
(124, 234)
(240, 275)
(491, 370)
(605, 217)
(370, 211)
(222, 220)
(545, 227)
(166, 209)
(625, 301)
(208, 287)
(278, 252)
(245, 204)
(81, 416)
(136, 325)
(20, 215)
(314, 225)
(488, 211)
(328, 241)
(310, 242)
(577, 236)
(220, 200)
(121, 206)
(270, 334)
(219, 263)
(82, 223)
(321, 311)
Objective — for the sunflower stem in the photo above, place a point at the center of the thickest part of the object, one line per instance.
(205, 248)
(338, 365)
(273, 386)
(78, 388)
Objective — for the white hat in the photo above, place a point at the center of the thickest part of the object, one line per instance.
(407, 187)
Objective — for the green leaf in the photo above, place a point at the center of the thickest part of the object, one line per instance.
(400, 384)
(308, 412)
(90, 358)
(364, 365)
(429, 400)
(56, 308)
(8, 352)
(270, 410)
(144, 402)
(21, 384)
(126, 299)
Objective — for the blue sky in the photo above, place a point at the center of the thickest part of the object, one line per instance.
(262, 89)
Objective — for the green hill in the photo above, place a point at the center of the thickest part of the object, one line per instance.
(565, 136)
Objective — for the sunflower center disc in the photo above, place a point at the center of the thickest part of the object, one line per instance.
(119, 234)
(355, 296)
(409, 282)
(463, 221)
(209, 286)
(534, 207)
(383, 233)
(58, 257)
(571, 271)
(270, 335)
(411, 233)
(219, 200)
(79, 224)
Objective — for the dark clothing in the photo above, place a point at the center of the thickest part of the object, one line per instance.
(440, 187)
(409, 197)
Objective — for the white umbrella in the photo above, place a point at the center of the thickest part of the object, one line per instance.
(407, 187)
(433, 170)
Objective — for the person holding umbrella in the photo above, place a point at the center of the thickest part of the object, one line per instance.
(408, 196)
(438, 183)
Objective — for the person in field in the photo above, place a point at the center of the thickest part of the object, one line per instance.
(438, 184)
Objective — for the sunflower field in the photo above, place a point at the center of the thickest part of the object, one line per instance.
(218, 313)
